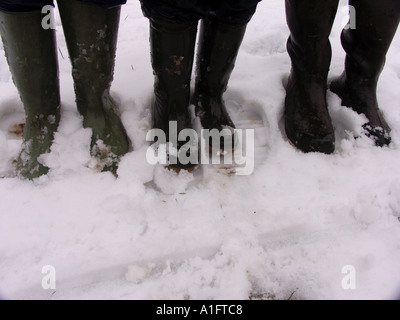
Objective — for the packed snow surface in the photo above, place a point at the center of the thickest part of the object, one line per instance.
(301, 226)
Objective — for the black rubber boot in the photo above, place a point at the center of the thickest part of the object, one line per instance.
(172, 54)
(307, 121)
(218, 48)
(366, 48)
(91, 35)
(31, 53)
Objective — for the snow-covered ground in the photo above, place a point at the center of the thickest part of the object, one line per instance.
(289, 230)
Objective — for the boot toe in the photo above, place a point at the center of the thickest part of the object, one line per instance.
(307, 142)
(380, 135)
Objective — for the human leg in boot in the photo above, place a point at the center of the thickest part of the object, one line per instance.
(307, 121)
(32, 57)
(366, 47)
(221, 35)
(218, 47)
(172, 50)
(91, 34)
(172, 43)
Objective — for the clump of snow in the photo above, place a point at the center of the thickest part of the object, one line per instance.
(170, 181)
(290, 230)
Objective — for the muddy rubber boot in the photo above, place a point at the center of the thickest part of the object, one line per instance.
(366, 48)
(219, 44)
(91, 35)
(172, 53)
(307, 121)
(31, 53)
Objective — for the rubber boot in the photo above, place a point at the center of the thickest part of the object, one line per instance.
(91, 36)
(366, 48)
(307, 121)
(218, 48)
(32, 57)
(172, 54)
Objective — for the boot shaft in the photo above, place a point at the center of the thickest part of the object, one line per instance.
(91, 34)
(219, 45)
(366, 45)
(218, 48)
(31, 53)
(310, 23)
(172, 53)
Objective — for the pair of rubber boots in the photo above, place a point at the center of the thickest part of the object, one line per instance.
(307, 121)
(31, 51)
(172, 52)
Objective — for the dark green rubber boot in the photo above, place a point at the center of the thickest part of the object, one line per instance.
(308, 124)
(366, 48)
(219, 44)
(91, 35)
(32, 56)
(172, 53)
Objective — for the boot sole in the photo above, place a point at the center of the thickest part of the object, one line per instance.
(178, 170)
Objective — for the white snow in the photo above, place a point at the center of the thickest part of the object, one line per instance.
(286, 231)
